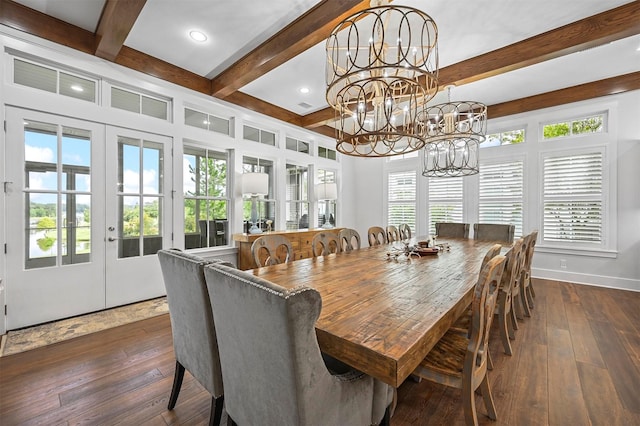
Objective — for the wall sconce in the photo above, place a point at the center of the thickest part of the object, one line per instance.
(255, 185)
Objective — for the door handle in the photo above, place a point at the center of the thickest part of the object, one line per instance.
(112, 239)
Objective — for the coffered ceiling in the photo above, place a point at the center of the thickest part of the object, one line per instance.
(512, 55)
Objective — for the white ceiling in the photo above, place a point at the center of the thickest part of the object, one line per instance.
(465, 30)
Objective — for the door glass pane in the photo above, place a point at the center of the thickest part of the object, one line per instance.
(41, 232)
(129, 239)
(152, 168)
(128, 165)
(41, 155)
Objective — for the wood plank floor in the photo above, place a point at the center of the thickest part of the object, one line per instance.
(576, 362)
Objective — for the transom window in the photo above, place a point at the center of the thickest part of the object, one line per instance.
(207, 121)
(257, 135)
(511, 137)
(297, 145)
(586, 125)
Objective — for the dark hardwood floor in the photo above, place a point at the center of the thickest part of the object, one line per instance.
(576, 362)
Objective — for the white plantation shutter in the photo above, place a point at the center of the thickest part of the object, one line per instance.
(573, 198)
(501, 194)
(402, 199)
(445, 201)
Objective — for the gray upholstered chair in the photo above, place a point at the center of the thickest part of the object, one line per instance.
(494, 232)
(392, 234)
(271, 250)
(405, 231)
(273, 370)
(452, 230)
(324, 243)
(461, 360)
(349, 239)
(376, 236)
(194, 333)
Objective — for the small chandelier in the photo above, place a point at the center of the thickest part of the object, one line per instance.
(454, 132)
(382, 68)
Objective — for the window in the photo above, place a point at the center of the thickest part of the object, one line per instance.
(326, 153)
(573, 198)
(511, 137)
(592, 124)
(402, 199)
(501, 194)
(445, 201)
(206, 202)
(253, 134)
(327, 208)
(297, 145)
(138, 103)
(206, 121)
(267, 204)
(297, 201)
(53, 80)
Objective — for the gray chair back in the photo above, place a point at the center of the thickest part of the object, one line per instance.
(272, 366)
(349, 239)
(494, 232)
(194, 332)
(452, 230)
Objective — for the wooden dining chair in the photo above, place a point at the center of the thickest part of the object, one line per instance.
(349, 239)
(452, 230)
(494, 232)
(271, 250)
(405, 231)
(507, 322)
(377, 236)
(460, 360)
(526, 290)
(392, 234)
(325, 243)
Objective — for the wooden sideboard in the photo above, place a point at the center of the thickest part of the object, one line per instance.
(300, 243)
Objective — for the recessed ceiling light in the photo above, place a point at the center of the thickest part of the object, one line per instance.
(304, 90)
(77, 88)
(197, 35)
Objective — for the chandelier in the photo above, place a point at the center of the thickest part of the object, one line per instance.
(454, 131)
(382, 68)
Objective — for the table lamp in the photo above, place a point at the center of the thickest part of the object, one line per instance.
(255, 184)
(327, 191)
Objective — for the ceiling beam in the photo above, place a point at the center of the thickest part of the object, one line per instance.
(593, 31)
(114, 26)
(31, 21)
(303, 33)
(596, 30)
(581, 92)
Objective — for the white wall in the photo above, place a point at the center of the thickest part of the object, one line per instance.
(620, 270)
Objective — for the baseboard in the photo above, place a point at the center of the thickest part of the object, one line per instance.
(589, 279)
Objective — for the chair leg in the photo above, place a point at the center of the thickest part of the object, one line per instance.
(469, 403)
(503, 320)
(386, 420)
(523, 301)
(533, 292)
(529, 294)
(216, 410)
(485, 389)
(177, 383)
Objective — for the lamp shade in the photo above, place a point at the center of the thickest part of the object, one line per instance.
(255, 183)
(327, 191)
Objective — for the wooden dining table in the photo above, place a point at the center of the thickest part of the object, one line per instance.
(380, 314)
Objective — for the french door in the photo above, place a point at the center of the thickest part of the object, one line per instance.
(83, 218)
